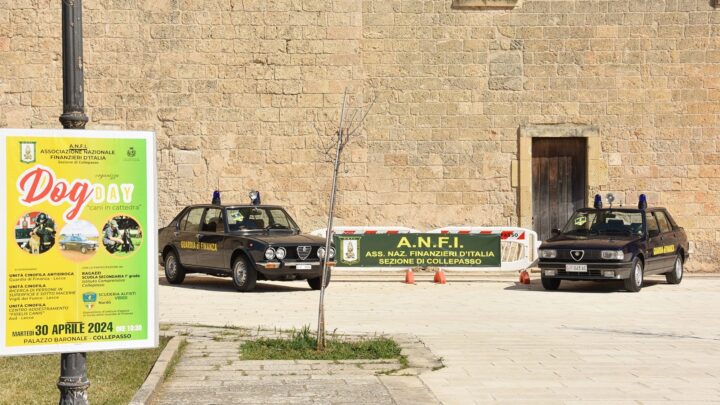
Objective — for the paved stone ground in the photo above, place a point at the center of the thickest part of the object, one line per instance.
(503, 342)
(211, 372)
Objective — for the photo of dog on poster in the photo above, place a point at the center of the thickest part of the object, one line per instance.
(35, 232)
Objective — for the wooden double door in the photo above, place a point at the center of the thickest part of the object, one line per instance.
(559, 173)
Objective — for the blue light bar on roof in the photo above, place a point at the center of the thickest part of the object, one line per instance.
(598, 201)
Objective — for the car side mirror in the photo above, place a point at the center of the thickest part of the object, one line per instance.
(555, 231)
(653, 233)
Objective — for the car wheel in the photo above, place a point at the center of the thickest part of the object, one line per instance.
(675, 276)
(635, 281)
(314, 283)
(244, 275)
(550, 284)
(83, 250)
(174, 271)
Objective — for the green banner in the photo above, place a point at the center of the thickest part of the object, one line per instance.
(417, 250)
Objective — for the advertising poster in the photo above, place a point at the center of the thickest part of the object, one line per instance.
(78, 241)
(417, 250)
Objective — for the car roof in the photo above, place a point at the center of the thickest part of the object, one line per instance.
(625, 209)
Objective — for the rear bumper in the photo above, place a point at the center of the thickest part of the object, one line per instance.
(595, 271)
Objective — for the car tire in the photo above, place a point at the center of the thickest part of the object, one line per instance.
(244, 275)
(676, 274)
(83, 249)
(174, 271)
(550, 284)
(314, 283)
(635, 281)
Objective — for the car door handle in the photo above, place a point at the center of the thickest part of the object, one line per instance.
(176, 233)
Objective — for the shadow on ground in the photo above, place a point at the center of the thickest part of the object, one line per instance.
(586, 287)
(225, 284)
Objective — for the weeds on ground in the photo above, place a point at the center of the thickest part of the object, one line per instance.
(302, 343)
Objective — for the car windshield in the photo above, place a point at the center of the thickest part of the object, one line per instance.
(254, 218)
(605, 222)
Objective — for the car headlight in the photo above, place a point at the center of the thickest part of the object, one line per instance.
(332, 253)
(280, 253)
(612, 254)
(321, 252)
(269, 253)
(548, 253)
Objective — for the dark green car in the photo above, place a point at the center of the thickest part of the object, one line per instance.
(245, 242)
(615, 244)
(78, 242)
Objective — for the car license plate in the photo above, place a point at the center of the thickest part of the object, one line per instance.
(578, 268)
(303, 267)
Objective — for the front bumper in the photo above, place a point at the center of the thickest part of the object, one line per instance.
(285, 268)
(595, 270)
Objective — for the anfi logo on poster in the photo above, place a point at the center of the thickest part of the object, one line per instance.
(27, 152)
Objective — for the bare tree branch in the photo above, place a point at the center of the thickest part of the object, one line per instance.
(345, 132)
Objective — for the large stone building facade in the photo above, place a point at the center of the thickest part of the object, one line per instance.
(242, 95)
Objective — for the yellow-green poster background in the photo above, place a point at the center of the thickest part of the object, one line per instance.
(64, 296)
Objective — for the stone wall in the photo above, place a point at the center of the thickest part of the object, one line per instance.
(241, 94)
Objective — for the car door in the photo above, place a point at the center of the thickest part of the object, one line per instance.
(653, 259)
(188, 235)
(667, 241)
(212, 236)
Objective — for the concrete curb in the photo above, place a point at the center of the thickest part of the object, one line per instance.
(146, 393)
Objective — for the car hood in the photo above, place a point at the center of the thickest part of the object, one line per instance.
(562, 242)
(287, 239)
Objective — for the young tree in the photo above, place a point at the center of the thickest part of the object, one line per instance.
(351, 120)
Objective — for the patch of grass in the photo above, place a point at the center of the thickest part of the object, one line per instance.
(114, 376)
(301, 346)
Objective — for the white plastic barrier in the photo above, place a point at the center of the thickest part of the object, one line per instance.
(366, 230)
(519, 246)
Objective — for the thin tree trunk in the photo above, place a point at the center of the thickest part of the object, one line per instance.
(328, 233)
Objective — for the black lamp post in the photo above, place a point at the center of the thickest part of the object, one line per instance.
(73, 116)
(73, 381)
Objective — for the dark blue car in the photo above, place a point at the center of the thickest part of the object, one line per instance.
(615, 244)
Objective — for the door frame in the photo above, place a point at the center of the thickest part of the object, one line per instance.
(596, 169)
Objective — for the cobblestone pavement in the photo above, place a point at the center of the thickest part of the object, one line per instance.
(504, 342)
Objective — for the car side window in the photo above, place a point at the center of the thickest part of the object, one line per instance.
(213, 221)
(663, 222)
(183, 221)
(652, 225)
(192, 222)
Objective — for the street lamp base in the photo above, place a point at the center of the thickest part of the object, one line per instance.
(73, 382)
(74, 120)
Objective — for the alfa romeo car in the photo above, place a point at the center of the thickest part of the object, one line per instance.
(615, 244)
(245, 242)
(78, 242)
